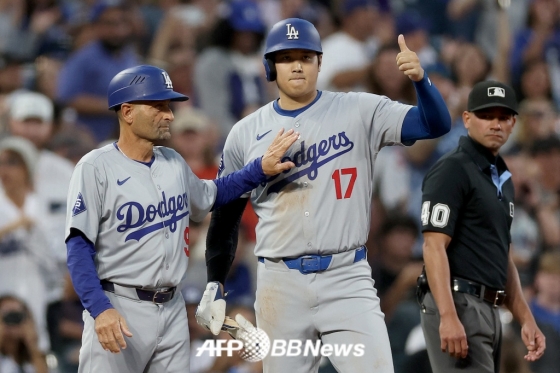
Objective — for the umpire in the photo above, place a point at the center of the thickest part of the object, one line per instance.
(467, 210)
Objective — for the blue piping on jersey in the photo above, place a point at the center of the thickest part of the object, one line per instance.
(149, 164)
(295, 113)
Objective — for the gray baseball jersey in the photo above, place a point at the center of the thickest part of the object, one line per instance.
(322, 206)
(138, 216)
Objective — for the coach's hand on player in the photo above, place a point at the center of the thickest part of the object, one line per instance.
(408, 62)
(272, 160)
(110, 327)
(453, 337)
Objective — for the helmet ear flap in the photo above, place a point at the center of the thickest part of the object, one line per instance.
(270, 69)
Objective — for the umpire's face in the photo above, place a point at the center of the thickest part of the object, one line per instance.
(490, 127)
(296, 72)
(149, 120)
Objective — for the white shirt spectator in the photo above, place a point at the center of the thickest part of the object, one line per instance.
(341, 52)
(26, 262)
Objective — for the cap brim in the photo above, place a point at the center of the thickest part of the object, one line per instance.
(494, 104)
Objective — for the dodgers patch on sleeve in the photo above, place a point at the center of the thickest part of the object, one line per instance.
(79, 205)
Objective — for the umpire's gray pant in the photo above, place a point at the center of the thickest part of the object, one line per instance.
(484, 335)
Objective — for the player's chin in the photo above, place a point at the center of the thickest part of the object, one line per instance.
(164, 134)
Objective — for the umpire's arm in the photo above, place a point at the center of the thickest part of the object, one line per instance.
(451, 331)
(531, 335)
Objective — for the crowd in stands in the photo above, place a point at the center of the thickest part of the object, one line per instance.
(58, 56)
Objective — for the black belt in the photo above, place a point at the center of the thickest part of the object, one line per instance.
(492, 296)
(155, 296)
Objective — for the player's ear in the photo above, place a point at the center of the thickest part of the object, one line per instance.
(320, 60)
(126, 112)
(467, 118)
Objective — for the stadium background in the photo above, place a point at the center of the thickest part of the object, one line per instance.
(68, 50)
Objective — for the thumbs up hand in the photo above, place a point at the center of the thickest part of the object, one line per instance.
(408, 62)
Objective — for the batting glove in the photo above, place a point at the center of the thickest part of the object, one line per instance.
(211, 311)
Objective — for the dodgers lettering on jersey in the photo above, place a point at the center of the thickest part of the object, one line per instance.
(322, 206)
(134, 215)
(313, 156)
(138, 216)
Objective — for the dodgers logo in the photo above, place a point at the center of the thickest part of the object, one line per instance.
(291, 32)
(134, 215)
(315, 156)
(167, 79)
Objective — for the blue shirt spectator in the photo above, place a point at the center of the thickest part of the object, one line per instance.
(83, 80)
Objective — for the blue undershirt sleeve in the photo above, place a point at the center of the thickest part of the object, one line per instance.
(81, 265)
(236, 184)
(430, 118)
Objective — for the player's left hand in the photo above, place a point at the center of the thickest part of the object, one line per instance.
(408, 62)
(272, 160)
(534, 339)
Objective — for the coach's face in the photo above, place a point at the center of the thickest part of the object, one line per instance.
(490, 127)
(150, 120)
(296, 72)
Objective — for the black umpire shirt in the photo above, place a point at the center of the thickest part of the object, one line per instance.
(460, 199)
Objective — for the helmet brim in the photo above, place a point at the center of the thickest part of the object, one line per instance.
(159, 96)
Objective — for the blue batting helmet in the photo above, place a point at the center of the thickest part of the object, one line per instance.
(291, 33)
(141, 83)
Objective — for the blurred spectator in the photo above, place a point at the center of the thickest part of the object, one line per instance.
(537, 120)
(85, 76)
(192, 135)
(19, 351)
(395, 277)
(546, 153)
(546, 309)
(384, 78)
(229, 74)
(546, 303)
(525, 232)
(346, 53)
(26, 263)
(391, 179)
(31, 117)
(542, 29)
(198, 334)
(69, 328)
(415, 31)
(27, 28)
(72, 143)
(470, 66)
(535, 81)
(393, 270)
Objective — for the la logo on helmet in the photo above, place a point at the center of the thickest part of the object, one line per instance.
(292, 32)
(168, 83)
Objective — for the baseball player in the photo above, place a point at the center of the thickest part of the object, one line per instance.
(313, 281)
(127, 229)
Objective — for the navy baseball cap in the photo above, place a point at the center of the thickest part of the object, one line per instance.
(245, 16)
(350, 6)
(410, 21)
(492, 93)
